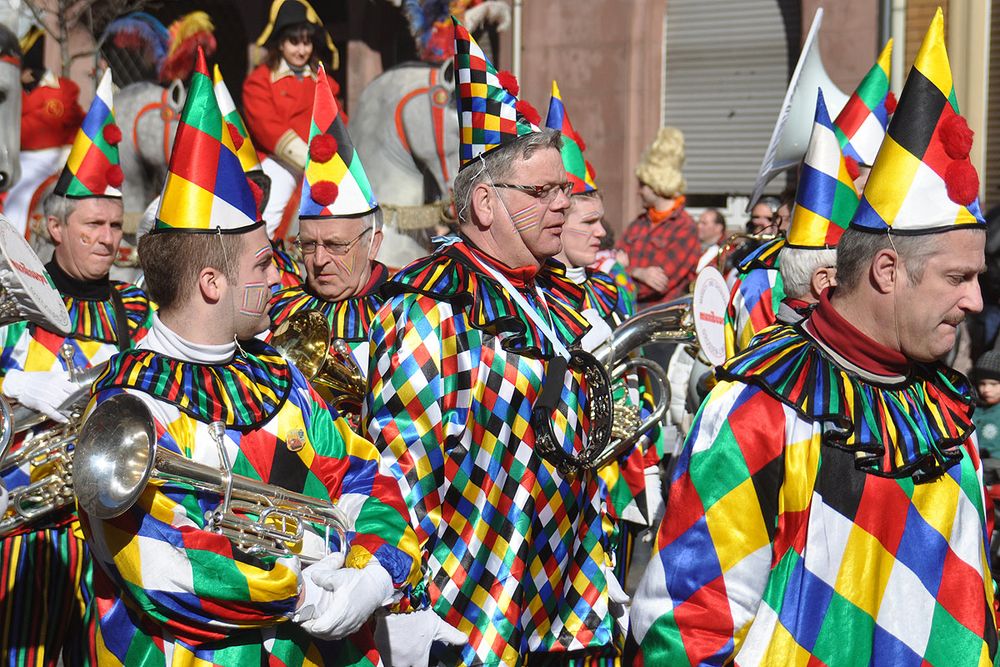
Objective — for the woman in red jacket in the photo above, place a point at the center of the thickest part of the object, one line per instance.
(278, 98)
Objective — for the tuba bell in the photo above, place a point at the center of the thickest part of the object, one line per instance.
(26, 294)
(304, 339)
(117, 457)
(790, 136)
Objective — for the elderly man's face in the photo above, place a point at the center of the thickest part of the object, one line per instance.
(537, 220)
(87, 242)
(928, 313)
(583, 230)
(337, 255)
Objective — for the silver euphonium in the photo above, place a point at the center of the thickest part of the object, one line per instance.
(48, 455)
(117, 457)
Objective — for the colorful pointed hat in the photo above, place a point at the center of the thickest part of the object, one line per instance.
(335, 182)
(579, 171)
(860, 125)
(234, 124)
(489, 113)
(92, 169)
(922, 180)
(826, 199)
(206, 189)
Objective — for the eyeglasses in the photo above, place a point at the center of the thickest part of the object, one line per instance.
(544, 193)
(332, 247)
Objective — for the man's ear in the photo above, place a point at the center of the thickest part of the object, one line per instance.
(482, 205)
(376, 244)
(55, 229)
(884, 270)
(212, 284)
(822, 279)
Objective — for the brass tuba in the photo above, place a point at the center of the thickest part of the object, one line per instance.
(733, 242)
(614, 428)
(117, 457)
(304, 339)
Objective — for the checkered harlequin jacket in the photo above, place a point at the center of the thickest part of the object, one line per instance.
(819, 515)
(515, 552)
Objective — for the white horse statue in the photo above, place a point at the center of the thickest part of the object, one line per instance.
(405, 128)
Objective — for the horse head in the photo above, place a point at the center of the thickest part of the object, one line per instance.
(10, 109)
(430, 126)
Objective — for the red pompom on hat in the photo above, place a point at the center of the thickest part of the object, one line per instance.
(322, 148)
(324, 193)
(956, 137)
(853, 170)
(234, 134)
(258, 194)
(890, 102)
(509, 82)
(115, 176)
(529, 112)
(962, 182)
(112, 134)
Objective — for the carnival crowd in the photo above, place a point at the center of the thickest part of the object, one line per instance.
(480, 467)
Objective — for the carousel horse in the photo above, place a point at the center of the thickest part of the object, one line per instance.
(405, 128)
(148, 115)
(10, 119)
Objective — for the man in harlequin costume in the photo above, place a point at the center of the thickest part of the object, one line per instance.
(634, 493)
(828, 505)
(169, 591)
(513, 539)
(633, 489)
(278, 96)
(260, 183)
(340, 232)
(825, 202)
(757, 294)
(46, 569)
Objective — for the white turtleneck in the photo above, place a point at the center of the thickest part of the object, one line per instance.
(578, 274)
(165, 341)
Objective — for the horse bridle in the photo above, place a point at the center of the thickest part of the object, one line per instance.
(167, 114)
(439, 98)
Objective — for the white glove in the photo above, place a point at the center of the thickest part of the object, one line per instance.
(654, 496)
(43, 391)
(404, 640)
(618, 600)
(350, 596)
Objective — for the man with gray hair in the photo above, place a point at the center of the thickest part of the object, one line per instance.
(828, 505)
(340, 233)
(473, 406)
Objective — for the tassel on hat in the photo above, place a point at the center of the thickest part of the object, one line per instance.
(206, 190)
(335, 183)
(826, 199)
(93, 168)
(578, 170)
(923, 180)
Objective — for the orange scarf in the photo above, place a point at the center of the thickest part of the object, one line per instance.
(656, 217)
